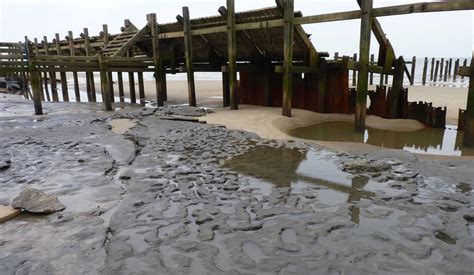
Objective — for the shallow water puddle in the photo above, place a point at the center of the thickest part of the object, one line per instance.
(299, 170)
(121, 126)
(428, 140)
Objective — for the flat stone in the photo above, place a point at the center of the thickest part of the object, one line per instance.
(37, 201)
(8, 213)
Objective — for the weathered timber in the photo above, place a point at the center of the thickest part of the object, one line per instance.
(425, 70)
(435, 78)
(120, 87)
(322, 84)
(152, 23)
(450, 67)
(396, 91)
(371, 76)
(432, 69)
(105, 85)
(446, 71)
(288, 33)
(188, 52)
(52, 75)
(225, 89)
(364, 51)
(77, 92)
(91, 96)
(232, 53)
(64, 88)
(110, 80)
(37, 53)
(354, 72)
(441, 69)
(413, 67)
(469, 115)
(141, 88)
(131, 85)
(464, 64)
(456, 70)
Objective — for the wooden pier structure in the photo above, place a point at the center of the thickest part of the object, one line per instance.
(277, 63)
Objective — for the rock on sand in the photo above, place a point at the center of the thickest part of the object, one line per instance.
(37, 201)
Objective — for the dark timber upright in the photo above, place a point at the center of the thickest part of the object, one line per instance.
(120, 87)
(413, 67)
(322, 84)
(91, 96)
(42, 96)
(456, 70)
(441, 67)
(188, 53)
(64, 88)
(131, 85)
(464, 64)
(225, 89)
(52, 75)
(354, 73)
(364, 51)
(159, 72)
(469, 116)
(446, 71)
(288, 57)
(74, 74)
(436, 71)
(397, 87)
(232, 53)
(141, 88)
(372, 58)
(104, 84)
(425, 70)
(432, 69)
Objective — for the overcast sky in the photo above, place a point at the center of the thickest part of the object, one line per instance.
(434, 34)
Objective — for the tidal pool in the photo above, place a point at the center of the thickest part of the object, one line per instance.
(425, 141)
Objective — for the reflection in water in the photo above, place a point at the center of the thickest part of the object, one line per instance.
(428, 140)
(284, 167)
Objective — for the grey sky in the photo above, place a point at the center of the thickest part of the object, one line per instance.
(434, 34)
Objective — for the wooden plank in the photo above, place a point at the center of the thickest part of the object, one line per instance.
(425, 70)
(441, 65)
(41, 86)
(432, 68)
(75, 78)
(397, 87)
(464, 71)
(232, 53)
(130, 43)
(52, 74)
(105, 33)
(110, 80)
(435, 78)
(364, 51)
(446, 71)
(120, 87)
(322, 85)
(354, 72)
(288, 32)
(464, 64)
(64, 88)
(91, 94)
(188, 52)
(371, 76)
(141, 88)
(131, 84)
(36, 86)
(469, 115)
(225, 89)
(152, 23)
(413, 67)
(456, 70)
(105, 85)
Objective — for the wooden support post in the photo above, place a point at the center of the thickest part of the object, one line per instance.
(164, 85)
(267, 72)
(52, 74)
(36, 54)
(64, 88)
(188, 53)
(425, 71)
(386, 79)
(469, 116)
(322, 85)
(450, 67)
(159, 72)
(232, 53)
(456, 70)
(105, 31)
(77, 91)
(371, 76)
(413, 68)
(397, 87)
(362, 81)
(432, 69)
(336, 56)
(110, 79)
(354, 72)
(35, 81)
(120, 87)
(104, 84)
(464, 64)
(91, 96)
(441, 64)
(141, 88)
(288, 57)
(436, 71)
(131, 85)
(225, 89)
(446, 71)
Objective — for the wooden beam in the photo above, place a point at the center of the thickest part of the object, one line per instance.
(105, 33)
(120, 87)
(52, 74)
(425, 71)
(469, 115)
(90, 84)
(397, 87)
(105, 85)
(130, 43)
(288, 32)
(152, 23)
(64, 88)
(322, 85)
(141, 88)
(364, 51)
(131, 85)
(36, 54)
(188, 52)
(232, 53)
(77, 92)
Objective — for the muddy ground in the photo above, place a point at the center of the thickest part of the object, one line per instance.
(177, 197)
